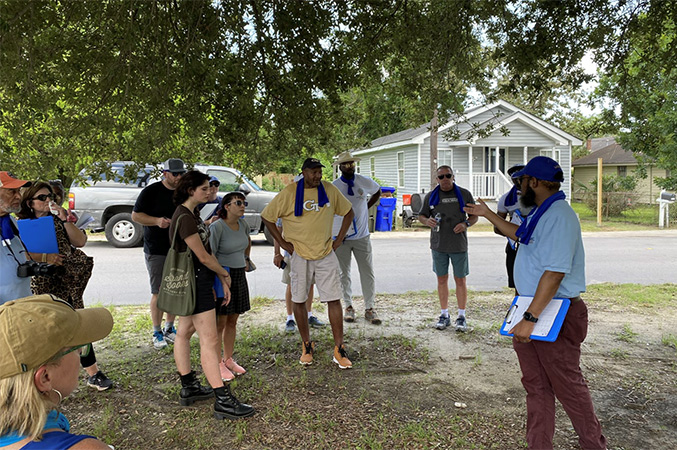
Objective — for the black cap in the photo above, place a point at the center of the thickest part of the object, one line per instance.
(174, 165)
(311, 163)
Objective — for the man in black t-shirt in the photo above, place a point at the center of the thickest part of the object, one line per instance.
(153, 209)
(443, 212)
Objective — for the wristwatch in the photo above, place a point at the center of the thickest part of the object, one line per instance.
(530, 317)
(467, 223)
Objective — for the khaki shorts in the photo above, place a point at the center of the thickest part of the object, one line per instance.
(324, 273)
(286, 279)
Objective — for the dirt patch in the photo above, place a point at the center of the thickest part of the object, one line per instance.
(411, 386)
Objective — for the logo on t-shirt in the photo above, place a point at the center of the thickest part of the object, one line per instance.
(312, 205)
(449, 200)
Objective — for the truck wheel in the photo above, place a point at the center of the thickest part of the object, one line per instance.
(269, 237)
(122, 232)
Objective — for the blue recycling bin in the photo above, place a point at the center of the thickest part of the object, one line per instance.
(384, 213)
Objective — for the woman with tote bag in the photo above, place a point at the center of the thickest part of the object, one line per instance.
(191, 233)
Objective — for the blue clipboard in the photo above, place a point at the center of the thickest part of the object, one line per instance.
(38, 234)
(549, 321)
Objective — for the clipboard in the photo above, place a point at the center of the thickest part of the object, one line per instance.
(207, 210)
(549, 321)
(336, 227)
(38, 234)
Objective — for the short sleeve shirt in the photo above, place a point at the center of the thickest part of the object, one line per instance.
(12, 286)
(445, 240)
(516, 212)
(156, 200)
(189, 225)
(310, 233)
(363, 189)
(229, 245)
(556, 245)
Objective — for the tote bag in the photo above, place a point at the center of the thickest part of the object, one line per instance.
(177, 289)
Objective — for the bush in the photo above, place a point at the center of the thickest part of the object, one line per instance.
(618, 195)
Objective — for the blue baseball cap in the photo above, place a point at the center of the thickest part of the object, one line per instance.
(213, 181)
(542, 168)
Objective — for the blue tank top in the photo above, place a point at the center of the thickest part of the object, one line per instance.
(53, 440)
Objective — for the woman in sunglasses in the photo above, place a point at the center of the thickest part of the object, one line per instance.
(231, 243)
(74, 267)
(39, 368)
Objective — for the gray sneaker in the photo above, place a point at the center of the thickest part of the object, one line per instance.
(169, 335)
(315, 322)
(349, 314)
(461, 324)
(290, 326)
(159, 340)
(443, 322)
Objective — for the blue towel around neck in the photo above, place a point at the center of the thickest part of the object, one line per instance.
(435, 197)
(527, 228)
(350, 182)
(322, 198)
(6, 227)
(512, 196)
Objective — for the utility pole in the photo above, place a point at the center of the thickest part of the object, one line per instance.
(433, 151)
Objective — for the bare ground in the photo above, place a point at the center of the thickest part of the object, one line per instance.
(411, 386)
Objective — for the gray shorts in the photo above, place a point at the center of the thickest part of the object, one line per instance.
(154, 265)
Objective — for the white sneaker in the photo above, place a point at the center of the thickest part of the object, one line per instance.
(159, 341)
(170, 335)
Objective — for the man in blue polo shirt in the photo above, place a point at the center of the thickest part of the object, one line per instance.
(550, 263)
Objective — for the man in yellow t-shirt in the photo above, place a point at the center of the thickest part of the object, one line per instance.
(307, 209)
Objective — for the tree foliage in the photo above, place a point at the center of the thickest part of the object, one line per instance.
(259, 84)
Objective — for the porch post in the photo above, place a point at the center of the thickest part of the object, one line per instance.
(525, 155)
(471, 187)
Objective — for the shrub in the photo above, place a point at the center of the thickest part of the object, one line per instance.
(618, 195)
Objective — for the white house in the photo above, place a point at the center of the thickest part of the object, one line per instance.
(402, 160)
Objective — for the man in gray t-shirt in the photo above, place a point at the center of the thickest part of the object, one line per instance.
(449, 241)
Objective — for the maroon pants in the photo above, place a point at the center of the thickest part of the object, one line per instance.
(551, 369)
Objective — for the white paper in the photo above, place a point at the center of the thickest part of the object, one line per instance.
(545, 320)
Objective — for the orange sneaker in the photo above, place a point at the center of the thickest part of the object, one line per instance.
(226, 375)
(341, 357)
(235, 367)
(307, 355)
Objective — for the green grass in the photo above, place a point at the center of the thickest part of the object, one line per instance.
(626, 334)
(669, 340)
(643, 217)
(633, 294)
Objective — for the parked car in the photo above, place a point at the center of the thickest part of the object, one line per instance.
(110, 201)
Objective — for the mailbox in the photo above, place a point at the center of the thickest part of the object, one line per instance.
(668, 196)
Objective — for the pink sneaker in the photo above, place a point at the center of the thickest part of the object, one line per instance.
(226, 375)
(235, 367)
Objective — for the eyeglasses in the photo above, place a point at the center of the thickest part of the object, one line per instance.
(84, 350)
(348, 164)
(443, 176)
(43, 197)
(238, 203)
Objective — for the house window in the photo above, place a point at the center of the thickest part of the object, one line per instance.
(622, 171)
(400, 169)
(553, 153)
(372, 167)
(444, 158)
(357, 167)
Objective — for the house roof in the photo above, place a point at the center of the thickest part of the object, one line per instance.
(611, 154)
(419, 134)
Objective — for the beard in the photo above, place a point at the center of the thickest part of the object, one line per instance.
(528, 197)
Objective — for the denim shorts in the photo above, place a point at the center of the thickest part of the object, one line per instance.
(459, 261)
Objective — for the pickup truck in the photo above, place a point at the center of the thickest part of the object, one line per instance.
(110, 201)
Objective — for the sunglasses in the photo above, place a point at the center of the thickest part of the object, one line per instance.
(348, 164)
(177, 174)
(84, 350)
(446, 175)
(239, 203)
(43, 197)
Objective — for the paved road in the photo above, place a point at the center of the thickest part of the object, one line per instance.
(402, 264)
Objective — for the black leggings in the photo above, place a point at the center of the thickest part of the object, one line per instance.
(90, 359)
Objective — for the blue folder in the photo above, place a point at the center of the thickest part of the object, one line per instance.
(549, 321)
(38, 234)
